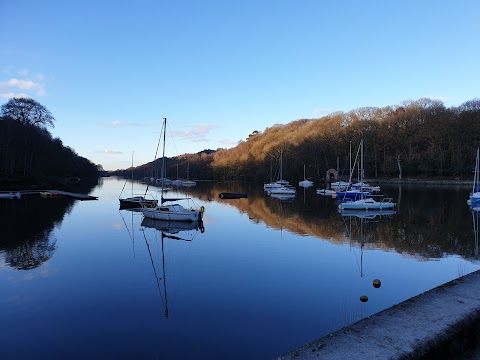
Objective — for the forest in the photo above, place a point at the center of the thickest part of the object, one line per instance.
(416, 139)
(420, 138)
(30, 155)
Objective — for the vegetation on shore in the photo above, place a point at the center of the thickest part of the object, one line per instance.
(416, 139)
(29, 155)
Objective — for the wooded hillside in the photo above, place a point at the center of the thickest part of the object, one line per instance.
(423, 138)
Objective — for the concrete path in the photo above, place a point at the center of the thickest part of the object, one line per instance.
(443, 323)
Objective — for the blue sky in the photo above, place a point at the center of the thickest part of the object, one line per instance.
(109, 71)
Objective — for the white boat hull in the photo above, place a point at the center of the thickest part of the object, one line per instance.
(168, 215)
(305, 183)
(366, 204)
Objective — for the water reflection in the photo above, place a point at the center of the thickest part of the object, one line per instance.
(27, 239)
(184, 231)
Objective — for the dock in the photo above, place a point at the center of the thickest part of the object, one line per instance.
(73, 195)
(54, 193)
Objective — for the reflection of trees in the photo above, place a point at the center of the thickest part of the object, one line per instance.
(31, 254)
(27, 226)
(432, 221)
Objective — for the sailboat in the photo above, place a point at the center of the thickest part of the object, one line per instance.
(188, 182)
(280, 182)
(475, 194)
(366, 203)
(173, 211)
(135, 201)
(305, 182)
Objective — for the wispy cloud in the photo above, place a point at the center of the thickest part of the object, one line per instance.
(109, 152)
(10, 87)
(120, 123)
(197, 134)
(320, 111)
(229, 142)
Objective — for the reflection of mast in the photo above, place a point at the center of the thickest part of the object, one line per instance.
(166, 228)
(475, 217)
(132, 235)
(164, 302)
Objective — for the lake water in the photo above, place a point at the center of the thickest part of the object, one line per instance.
(85, 280)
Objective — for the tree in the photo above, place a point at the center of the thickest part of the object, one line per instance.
(28, 112)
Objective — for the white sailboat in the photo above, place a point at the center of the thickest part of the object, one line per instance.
(305, 182)
(174, 211)
(280, 182)
(366, 203)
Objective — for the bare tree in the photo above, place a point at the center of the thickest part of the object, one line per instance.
(28, 112)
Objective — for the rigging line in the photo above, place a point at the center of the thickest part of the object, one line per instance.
(156, 152)
(173, 141)
(155, 273)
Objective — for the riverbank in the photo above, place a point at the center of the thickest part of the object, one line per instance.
(443, 323)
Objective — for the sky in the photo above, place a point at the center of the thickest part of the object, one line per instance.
(109, 71)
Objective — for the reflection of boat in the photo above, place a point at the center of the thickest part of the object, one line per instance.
(367, 214)
(475, 218)
(283, 197)
(166, 229)
(172, 227)
(232, 195)
(171, 212)
(475, 194)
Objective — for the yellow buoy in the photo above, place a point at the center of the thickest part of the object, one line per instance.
(364, 298)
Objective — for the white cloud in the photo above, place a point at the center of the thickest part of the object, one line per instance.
(320, 111)
(197, 134)
(8, 88)
(120, 123)
(109, 152)
(10, 95)
(229, 142)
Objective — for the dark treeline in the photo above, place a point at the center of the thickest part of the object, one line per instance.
(419, 138)
(28, 152)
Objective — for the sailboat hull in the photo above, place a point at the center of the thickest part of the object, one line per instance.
(366, 204)
(173, 212)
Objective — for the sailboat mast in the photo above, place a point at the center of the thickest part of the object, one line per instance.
(361, 169)
(163, 156)
(475, 176)
(132, 171)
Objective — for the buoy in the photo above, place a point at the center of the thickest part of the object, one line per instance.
(377, 283)
(364, 298)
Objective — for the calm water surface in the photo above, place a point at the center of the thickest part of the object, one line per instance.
(86, 280)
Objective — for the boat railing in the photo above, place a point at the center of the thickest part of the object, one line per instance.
(387, 200)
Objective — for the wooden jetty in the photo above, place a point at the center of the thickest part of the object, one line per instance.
(70, 194)
(54, 193)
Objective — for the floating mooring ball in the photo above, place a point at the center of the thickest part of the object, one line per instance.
(363, 298)
(376, 283)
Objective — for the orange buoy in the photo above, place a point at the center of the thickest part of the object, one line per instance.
(377, 283)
